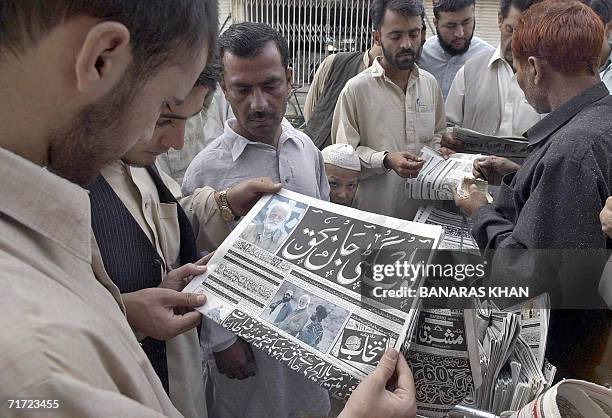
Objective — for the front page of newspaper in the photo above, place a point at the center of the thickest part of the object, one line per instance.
(296, 280)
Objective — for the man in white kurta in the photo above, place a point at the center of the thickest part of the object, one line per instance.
(485, 96)
(388, 113)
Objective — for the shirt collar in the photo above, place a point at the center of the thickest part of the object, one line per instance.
(554, 120)
(379, 71)
(46, 203)
(239, 143)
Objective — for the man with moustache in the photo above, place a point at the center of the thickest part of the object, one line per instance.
(544, 224)
(260, 142)
(109, 67)
(485, 96)
(390, 111)
(454, 42)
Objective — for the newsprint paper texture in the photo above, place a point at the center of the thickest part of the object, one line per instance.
(294, 260)
(443, 356)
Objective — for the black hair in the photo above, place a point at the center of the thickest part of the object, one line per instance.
(321, 312)
(522, 5)
(210, 76)
(403, 7)
(603, 9)
(450, 6)
(247, 39)
(156, 27)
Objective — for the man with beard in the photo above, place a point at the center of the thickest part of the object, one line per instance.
(281, 308)
(145, 229)
(296, 320)
(485, 96)
(390, 111)
(454, 42)
(260, 142)
(329, 80)
(109, 67)
(544, 222)
(270, 233)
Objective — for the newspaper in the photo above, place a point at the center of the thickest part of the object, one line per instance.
(457, 227)
(294, 280)
(439, 177)
(477, 143)
(443, 355)
(570, 398)
(534, 316)
(513, 344)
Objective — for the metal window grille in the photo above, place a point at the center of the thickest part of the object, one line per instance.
(313, 28)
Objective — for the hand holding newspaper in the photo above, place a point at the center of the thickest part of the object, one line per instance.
(297, 280)
(439, 177)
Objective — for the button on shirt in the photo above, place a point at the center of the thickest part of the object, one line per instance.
(376, 116)
(231, 158)
(64, 334)
(517, 115)
(442, 65)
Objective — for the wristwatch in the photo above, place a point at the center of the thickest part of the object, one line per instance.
(226, 211)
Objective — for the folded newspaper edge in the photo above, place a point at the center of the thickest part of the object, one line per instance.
(243, 280)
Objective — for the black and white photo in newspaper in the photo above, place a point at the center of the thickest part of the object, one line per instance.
(295, 280)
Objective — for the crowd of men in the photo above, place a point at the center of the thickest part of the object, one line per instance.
(150, 135)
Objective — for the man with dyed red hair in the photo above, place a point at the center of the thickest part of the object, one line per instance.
(552, 202)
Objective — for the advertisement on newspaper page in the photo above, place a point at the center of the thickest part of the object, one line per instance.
(295, 279)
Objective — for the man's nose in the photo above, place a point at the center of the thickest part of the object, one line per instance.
(258, 101)
(459, 32)
(176, 137)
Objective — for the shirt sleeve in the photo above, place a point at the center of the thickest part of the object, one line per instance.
(440, 117)
(544, 250)
(561, 211)
(77, 398)
(208, 224)
(316, 87)
(456, 99)
(345, 130)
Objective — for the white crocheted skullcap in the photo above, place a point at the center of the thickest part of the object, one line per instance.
(343, 156)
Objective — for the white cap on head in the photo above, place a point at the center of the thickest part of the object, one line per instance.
(343, 156)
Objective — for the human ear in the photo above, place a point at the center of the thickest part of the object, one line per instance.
(103, 58)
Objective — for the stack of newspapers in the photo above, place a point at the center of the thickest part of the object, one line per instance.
(439, 177)
(457, 227)
(512, 345)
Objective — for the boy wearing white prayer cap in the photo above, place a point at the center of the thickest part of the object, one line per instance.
(342, 167)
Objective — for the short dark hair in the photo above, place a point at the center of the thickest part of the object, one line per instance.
(603, 9)
(156, 26)
(403, 7)
(522, 5)
(210, 76)
(450, 6)
(247, 40)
